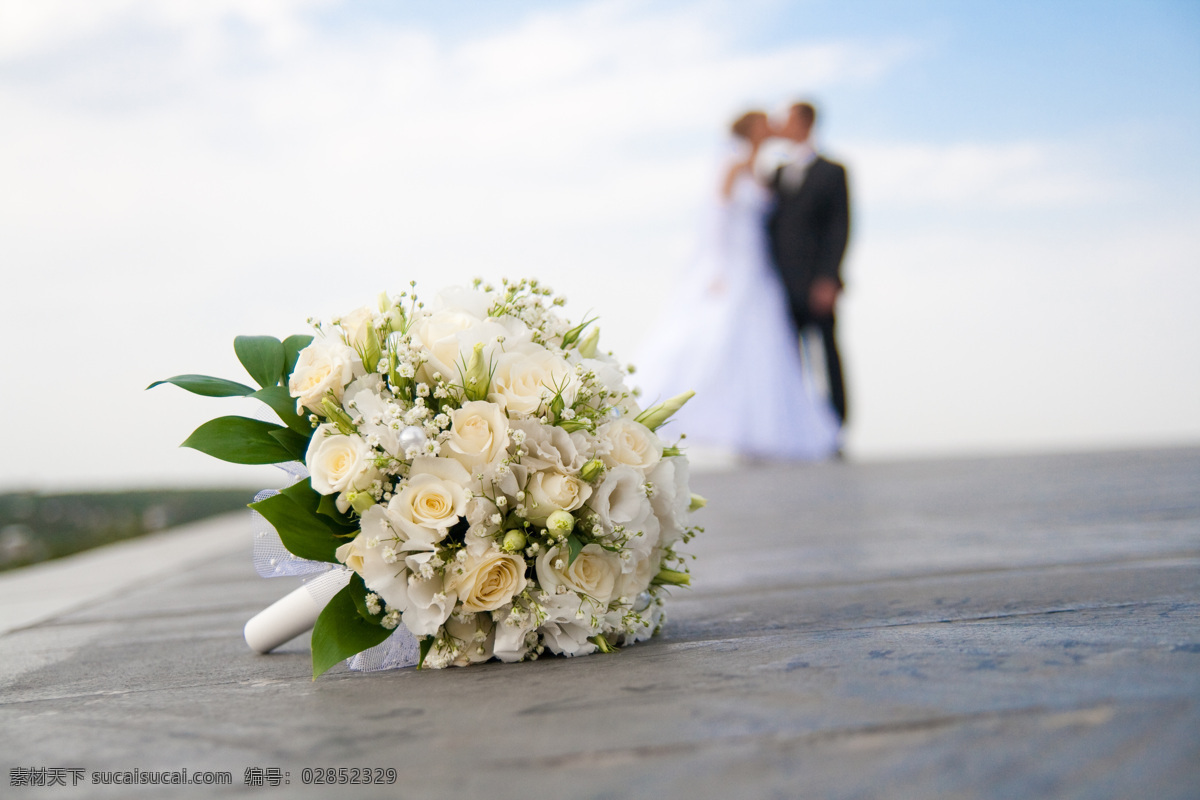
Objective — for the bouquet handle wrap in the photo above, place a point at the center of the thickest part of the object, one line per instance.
(295, 613)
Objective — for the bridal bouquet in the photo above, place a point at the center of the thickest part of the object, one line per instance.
(481, 468)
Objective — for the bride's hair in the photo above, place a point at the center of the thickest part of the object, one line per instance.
(744, 124)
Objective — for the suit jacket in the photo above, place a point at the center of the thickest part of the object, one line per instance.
(809, 227)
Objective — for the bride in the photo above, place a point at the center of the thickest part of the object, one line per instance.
(727, 334)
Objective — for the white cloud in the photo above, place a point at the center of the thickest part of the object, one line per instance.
(1025, 174)
(188, 171)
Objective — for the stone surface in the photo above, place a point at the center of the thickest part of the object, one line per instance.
(997, 628)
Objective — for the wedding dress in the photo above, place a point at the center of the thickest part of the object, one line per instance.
(727, 335)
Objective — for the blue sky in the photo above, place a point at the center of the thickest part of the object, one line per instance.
(1023, 272)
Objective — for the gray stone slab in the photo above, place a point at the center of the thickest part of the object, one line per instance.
(994, 628)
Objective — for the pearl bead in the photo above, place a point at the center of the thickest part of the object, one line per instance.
(412, 436)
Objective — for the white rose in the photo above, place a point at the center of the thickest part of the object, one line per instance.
(487, 582)
(625, 441)
(324, 366)
(437, 334)
(338, 463)
(552, 491)
(593, 573)
(528, 376)
(356, 325)
(448, 338)
(474, 302)
(478, 434)
(431, 500)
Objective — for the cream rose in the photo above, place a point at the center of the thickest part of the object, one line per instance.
(528, 376)
(478, 434)
(324, 366)
(487, 582)
(337, 463)
(552, 491)
(357, 325)
(430, 501)
(438, 334)
(625, 441)
(592, 574)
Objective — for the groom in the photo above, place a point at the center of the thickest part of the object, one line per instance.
(808, 231)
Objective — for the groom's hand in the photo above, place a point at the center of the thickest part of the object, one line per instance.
(822, 297)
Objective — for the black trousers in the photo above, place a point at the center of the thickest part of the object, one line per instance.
(826, 327)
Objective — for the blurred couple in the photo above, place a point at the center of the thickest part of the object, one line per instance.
(768, 274)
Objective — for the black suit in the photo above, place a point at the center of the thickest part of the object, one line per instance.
(808, 229)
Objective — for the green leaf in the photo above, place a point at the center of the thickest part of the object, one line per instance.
(358, 593)
(240, 440)
(292, 346)
(302, 532)
(283, 404)
(207, 386)
(296, 443)
(341, 632)
(302, 494)
(329, 510)
(576, 546)
(426, 646)
(262, 356)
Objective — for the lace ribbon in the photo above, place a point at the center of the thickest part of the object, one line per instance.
(323, 581)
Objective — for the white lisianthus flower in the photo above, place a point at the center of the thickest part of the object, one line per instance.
(551, 491)
(363, 398)
(432, 500)
(593, 573)
(387, 579)
(551, 447)
(513, 634)
(339, 463)
(565, 631)
(672, 496)
(325, 366)
(429, 605)
(620, 499)
(641, 569)
(487, 582)
(528, 376)
(626, 441)
(478, 434)
(475, 634)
